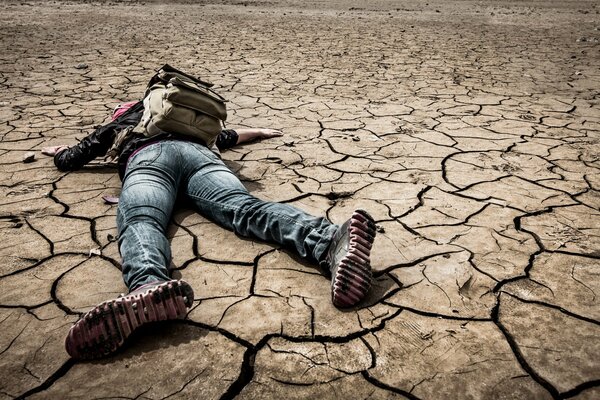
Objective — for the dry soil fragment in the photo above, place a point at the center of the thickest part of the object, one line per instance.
(437, 359)
(561, 349)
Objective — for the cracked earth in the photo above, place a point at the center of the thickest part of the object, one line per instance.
(470, 131)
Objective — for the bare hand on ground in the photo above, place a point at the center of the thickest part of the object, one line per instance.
(53, 150)
(267, 133)
(249, 134)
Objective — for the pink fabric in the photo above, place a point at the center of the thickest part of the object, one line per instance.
(121, 108)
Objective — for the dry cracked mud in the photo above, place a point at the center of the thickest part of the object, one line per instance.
(469, 129)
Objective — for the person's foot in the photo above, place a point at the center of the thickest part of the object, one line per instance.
(103, 330)
(348, 259)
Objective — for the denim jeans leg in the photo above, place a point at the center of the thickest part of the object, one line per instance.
(220, 196)
(145, 206)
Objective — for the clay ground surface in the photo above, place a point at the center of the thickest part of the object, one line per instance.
(469, 129)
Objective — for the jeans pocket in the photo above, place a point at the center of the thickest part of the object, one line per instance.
(146, 155)
(205, 151)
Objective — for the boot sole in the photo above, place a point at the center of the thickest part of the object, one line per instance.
(352, 276)
(104, 329)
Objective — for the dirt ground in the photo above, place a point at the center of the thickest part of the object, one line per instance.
(469, 129)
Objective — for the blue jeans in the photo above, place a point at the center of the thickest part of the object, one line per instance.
(161, 171)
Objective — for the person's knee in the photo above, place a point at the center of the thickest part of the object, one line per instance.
(153, 218)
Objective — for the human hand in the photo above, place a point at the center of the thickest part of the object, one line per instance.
(249, 134)
(266, 133)
(53, 150)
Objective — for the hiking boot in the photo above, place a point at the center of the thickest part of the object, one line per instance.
(348, 259)
(103, 330)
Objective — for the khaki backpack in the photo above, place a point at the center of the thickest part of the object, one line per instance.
(179, 103)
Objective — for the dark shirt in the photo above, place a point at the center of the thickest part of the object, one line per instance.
(99, 142)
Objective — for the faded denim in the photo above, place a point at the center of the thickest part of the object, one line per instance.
(161, 171)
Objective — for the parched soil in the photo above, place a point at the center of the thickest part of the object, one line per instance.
(469, 129)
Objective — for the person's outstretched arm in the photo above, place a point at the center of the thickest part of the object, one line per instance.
(96, 144)
(230, 137)
(71, 158)
(248, 134)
